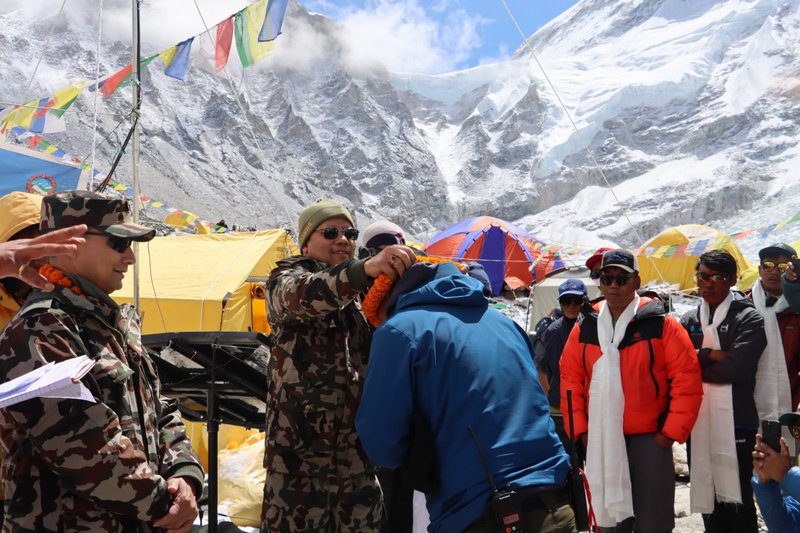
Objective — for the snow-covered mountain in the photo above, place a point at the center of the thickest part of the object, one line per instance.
(690, 109)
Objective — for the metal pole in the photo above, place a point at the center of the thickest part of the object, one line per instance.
(137, 101)
(213, 444)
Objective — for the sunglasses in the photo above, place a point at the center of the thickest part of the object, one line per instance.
(769, 266)
(609, 280)
(570, 300)
(595, 274)
(710, 278)
(332, 232)
(118, 244)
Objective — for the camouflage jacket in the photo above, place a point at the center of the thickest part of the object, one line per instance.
(321, 344)
(72, 465)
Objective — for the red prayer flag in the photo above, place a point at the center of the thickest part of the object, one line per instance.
(224, 39)
(112, 82)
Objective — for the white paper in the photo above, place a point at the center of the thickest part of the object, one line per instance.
(53, 380)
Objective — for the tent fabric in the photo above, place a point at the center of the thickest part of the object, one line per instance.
(501, 247)
(546, 264)
(544, 295)
(203, 282)
(680, 270)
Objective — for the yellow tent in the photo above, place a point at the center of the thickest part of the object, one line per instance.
(208, 283)
(205, 282)
(679, 269)
(749, 276)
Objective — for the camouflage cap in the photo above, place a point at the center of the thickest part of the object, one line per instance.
(105, 213)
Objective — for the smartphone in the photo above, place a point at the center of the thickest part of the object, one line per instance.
(796, 264)
(771, 434)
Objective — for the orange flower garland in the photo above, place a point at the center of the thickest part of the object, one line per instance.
(57, 277)
(382, 286)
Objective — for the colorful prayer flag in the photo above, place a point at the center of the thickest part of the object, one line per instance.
(273, 20)
(110, 84)
(179, 65)
(247, 26)
(223, 44)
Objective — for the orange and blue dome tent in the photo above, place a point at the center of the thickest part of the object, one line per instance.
(504, 250)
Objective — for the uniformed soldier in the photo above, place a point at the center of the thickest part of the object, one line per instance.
(122, 464)
(318, 477)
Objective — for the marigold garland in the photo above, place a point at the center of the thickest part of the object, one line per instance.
(382, 287)
(57, 277)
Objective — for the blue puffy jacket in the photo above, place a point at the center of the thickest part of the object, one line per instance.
(462, 364)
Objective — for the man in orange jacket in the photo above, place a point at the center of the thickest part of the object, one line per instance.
(639, 367)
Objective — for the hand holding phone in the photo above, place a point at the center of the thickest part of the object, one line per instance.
(771, 434)
(795, 267)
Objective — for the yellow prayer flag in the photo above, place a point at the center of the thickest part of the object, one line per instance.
(168, 55)
(255, 20)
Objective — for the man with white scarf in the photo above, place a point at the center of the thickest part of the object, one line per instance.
(777, 384)
(728, 333)
(636, 389)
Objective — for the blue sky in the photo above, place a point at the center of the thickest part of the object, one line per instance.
(435, 36)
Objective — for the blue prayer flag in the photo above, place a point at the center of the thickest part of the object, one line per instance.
(180, 63)
(273, 20)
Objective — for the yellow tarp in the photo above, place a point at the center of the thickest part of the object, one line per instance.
(200, 282)
(680, 270)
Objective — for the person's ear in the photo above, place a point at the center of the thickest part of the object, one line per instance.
(637, 281)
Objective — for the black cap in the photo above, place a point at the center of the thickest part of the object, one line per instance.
(776, 250)
(789, 419)
(621, 259)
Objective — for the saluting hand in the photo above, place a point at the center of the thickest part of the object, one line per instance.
(16, 256)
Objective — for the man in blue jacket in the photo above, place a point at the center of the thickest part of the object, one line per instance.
(776, 482)
(444, 354)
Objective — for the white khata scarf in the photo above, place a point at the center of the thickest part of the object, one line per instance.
(714, 473)
(606, 457)
(773, 392)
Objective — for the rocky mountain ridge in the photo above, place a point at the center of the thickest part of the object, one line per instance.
(689, 109)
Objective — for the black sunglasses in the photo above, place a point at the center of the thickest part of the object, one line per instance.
(570, 300)
(607, 280)
(332, 232)
(118, 244)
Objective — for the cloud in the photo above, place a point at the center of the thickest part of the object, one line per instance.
(162, 23)
(405, 37)
(301, 46)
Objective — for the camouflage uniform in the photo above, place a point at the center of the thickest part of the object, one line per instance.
(72, 465)
(318, 476)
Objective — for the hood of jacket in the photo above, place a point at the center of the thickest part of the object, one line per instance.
(20, 210)
(435, 284)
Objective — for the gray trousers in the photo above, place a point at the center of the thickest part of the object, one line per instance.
(653, 487)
